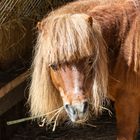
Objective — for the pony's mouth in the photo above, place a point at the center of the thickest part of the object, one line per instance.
(78, 112)
(80, 118)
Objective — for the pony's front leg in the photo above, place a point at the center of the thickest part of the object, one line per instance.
(127, 114)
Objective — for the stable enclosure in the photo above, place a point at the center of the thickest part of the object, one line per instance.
(18, 19)
(18, 35)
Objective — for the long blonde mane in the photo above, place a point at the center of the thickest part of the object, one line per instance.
(66, 37)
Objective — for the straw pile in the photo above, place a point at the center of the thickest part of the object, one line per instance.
(17, 33)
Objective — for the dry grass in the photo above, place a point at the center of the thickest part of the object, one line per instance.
(52, 120)
(19, 17)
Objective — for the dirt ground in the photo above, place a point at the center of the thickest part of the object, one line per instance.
(105, 130)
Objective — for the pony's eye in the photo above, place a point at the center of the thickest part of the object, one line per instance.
(54, 67)
(90, 61)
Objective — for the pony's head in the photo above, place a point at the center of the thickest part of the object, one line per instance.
(74, 82)
(70, 67)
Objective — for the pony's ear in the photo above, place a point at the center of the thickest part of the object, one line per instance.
(89, 19)
(39, 26)
(86, 17)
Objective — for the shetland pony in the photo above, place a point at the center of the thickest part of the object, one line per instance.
(87, 52)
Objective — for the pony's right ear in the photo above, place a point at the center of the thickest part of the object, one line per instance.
(39, 26)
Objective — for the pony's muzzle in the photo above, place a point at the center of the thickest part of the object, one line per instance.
(77, 111)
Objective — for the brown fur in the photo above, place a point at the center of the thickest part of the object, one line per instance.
(119, 24)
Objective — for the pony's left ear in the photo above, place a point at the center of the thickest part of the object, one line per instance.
(89, 20)
(86, 17)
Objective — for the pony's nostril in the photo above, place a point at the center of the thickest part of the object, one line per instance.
(70, 109)
(67, 106)
(85, 107)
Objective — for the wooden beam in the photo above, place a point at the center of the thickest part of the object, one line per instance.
(13, 92)
(14, 83)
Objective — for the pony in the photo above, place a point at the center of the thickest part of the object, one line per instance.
(88, 52)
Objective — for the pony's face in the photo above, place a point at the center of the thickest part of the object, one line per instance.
(73, 81)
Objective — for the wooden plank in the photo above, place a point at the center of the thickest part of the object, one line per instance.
(13, 92)
(14, 83)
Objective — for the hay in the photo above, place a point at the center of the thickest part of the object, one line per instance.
(15, 33)
(14, 43)
(18, 19)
